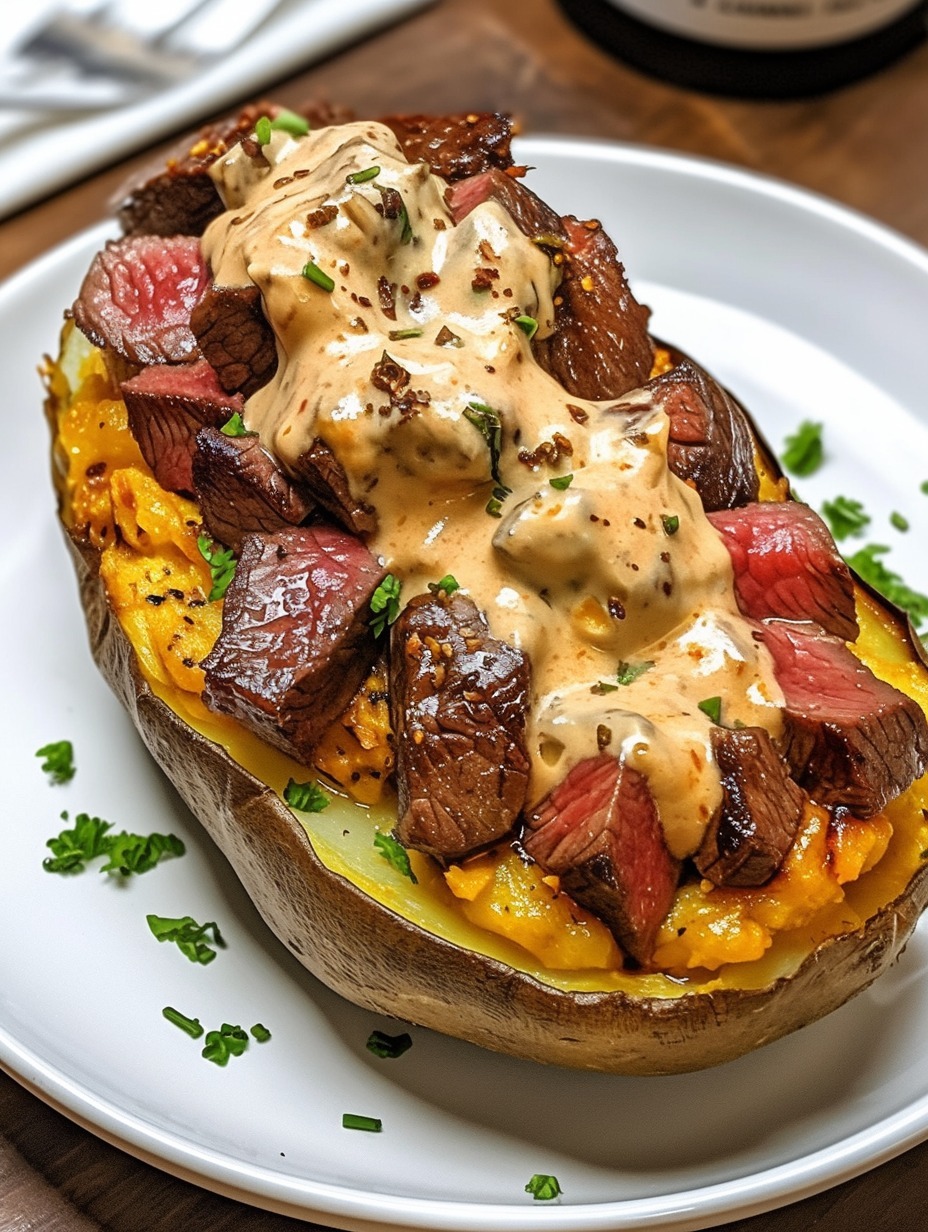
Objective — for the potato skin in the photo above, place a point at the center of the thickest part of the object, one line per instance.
(374, 958)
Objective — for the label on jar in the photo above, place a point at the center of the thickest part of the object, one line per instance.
(768, 25)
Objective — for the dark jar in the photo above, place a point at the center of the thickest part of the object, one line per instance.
(755, 48)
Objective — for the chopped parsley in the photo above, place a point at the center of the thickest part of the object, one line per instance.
(543, 1188)
(712, 706)
(192, 1026)
(528, 325)
(362, 177)
(306, 797)
(448, 584)
(803, 452)
(221, 563)
(373, 1125)
(59, 761)
(388, 1046)
(628, 673)
(235, 426)
(670, 523)
(312, 273)
(872, 570)
(228, 1041)
(845, 516)
(898, 521)
(192, 939)
(385, 604)
(395, 855)
(561, 483)
(89, 839)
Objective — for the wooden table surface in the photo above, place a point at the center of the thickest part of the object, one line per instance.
(866, 146)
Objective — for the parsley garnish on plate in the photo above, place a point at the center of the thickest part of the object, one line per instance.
(803, 451)
(89, 838)
(59, 760)
(867, 565)
(543, 1188)
(845, 516)
(192, 939)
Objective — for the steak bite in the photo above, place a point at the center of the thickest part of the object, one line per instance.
(600, 347)
(175, 195)
(296, 643)
(455, 146)
(241, 489)
(167, 404)
(749, 836)
(598, 831)
(711, 445)
(530, 214)
(235, 336)
(850, 740)
(137, 297)
(786, 565)
(459, 700)
(327, 482)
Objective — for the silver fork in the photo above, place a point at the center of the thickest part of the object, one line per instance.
(117, 52)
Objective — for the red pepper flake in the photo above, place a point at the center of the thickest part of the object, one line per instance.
(427, 280)
(577, 413)
(321, 217)
(386, 295)
(616, 608)
(484, 278)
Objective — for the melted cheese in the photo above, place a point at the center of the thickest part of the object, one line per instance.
(619, 567)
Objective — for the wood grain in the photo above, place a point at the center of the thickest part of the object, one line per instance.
(866, 146)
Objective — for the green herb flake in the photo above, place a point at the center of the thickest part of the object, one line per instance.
(494, 505)
(603, 686)
(192, 1026)
(395, 855)
(898, 521)
(260, 1032)
(362, 177)
(487, 422)
(399, 335)
(139, 853)
(924, 487)
(388, 1046)
(229, 1041)
(372, 1125)
(221, 563)
(59, 761)
(71, 850)
(263, 130)
(845, 516)
(628, 673)
(306, 797)
(528, 325)
(670, 523)
(289, 122)
(867, 565)
(312, 273)
(385, 604)
(543, 1188)
(803, 451)
(561, 483)
(235, 426)
(448, 584)
(195, 941)
(712, 706)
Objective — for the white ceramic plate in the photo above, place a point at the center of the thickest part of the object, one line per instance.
(806, 310)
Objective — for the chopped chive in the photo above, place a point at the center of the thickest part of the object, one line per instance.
(260, 1032)
(712, 706)
(898, 521)
(389, 1046)
(924, 487)
(527, 324)
(362, 177)
(192, 1026)
(263, 130)
(543, 1188)
(306, 797)
(373, 1125)
(629, 672)
(448, 584)
(312, 273)
(803, 452)
(221, 563)
(289, 122)
(235, 426)
(397, 335)
(561, 482)
(670, 523)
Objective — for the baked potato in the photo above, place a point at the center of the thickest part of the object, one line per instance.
(481, 924)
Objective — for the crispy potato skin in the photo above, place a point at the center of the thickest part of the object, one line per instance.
(373, 957)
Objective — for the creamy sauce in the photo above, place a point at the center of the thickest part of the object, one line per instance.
(621, 567)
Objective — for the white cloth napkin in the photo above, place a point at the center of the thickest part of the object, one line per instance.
(41, 154)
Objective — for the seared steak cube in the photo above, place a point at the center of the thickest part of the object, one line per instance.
(234, 335)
